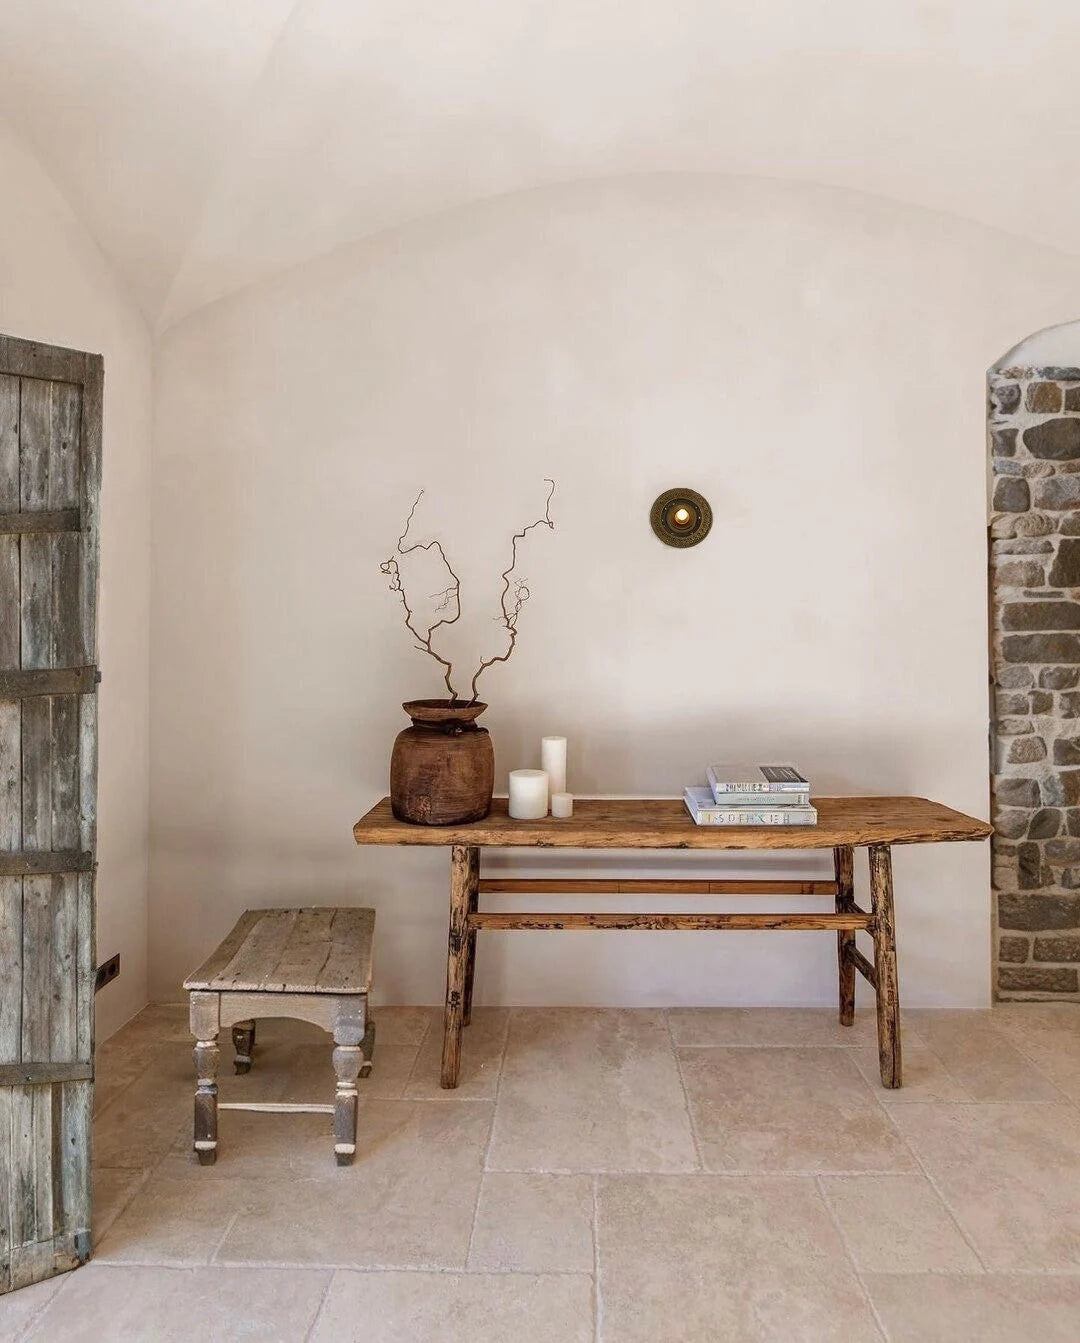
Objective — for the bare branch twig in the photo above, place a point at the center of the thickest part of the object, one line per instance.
(511, 603)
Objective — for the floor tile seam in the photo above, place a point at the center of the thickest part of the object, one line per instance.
(1034, 1064)
(419, 1050)
(685, 1094)
(598, 1297)
(484, 1154)
(733, 1173)
(848, 1254)
(230, 1223)
(144, 1174)
(968, 1240)
(344, 1266)
(321, 1307)
(36, 1316)
(875, 1313)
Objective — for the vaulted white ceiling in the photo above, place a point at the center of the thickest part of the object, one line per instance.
(210, 143)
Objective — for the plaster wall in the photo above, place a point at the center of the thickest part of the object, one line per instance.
(812, 360)
(56, 287)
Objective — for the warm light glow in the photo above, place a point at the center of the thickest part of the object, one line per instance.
(682, 516)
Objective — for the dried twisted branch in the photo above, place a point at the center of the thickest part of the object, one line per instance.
(514, 594)
(450, 596)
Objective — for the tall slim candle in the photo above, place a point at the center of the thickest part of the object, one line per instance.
(553, 762)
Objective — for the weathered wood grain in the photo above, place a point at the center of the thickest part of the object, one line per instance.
(462, 867)
(37, 982)
(650, 886)
(9, 443)
(43, 862)
(37, 743)
(633, 823)
(29, 359)
(844, 866)
(261, 950)
(6, 1188)
(505, 920)
(19, 684)
(314, 950)
(11, 937)
(888, 987)
(348, 967)
(63, 968)
(37, 1074)
(40, 521)
(473, 879)
(859, 962)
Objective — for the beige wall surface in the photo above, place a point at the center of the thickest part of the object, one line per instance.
(56, 287)
(812, 360)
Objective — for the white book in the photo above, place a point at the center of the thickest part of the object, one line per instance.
(768, 779)
(703, 807)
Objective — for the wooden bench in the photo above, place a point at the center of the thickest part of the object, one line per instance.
(311, 964)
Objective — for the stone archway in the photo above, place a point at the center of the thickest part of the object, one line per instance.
(1034, 440)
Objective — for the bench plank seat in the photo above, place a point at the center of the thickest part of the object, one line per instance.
(292, 951)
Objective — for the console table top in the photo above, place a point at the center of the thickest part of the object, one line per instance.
(664, 823)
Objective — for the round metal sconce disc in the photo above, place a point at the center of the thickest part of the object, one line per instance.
(681, 517)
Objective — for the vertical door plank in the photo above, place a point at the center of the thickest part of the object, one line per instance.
(37, 772)
(35, 431)
(63, 968)
(64, 474)
(10, 619)
(37, 951)
(36, 618)
(64, 784)
(73, 1155)
(88, 747)
(86, 961)
(9, 443)
(90, 492)
(6, 1191)
(23, 1202)
(43, 1160)
(10, 777)
(11, 937)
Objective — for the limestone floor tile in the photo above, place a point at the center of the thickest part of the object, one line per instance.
(761, 1027)
(171, 1221)
(113, 1190)
(981, 1059)
(482, 1046)
(897, 1224)
(18, 1309)
(126, 1304)
(1049, 1035)
(590, 1090)
(406, 1202)
(142, 1124)
(456, 1308)
(534, 1224)
(702, 1258)
(1010, 1174)
(991, 1308)
(788, 1109)
(925, 1076)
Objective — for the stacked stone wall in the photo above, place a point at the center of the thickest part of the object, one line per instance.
(1034, 434)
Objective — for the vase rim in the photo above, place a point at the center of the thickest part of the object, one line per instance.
(442, 710)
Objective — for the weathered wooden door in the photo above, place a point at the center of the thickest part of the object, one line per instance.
(50, 466)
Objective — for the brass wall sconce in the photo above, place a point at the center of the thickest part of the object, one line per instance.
(681, 517)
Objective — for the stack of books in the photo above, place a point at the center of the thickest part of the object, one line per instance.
(751, 795)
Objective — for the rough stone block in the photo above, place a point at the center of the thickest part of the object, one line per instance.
(1058, 678)
(1004, 398)
(1012, 494)
(1019, 574)
(1010, 702)
(1006, 466)
(1057, 948)
(1026, 750)
(1013, 949)
(1027, 913)
(1054, 440)
(1029, 868)
(1014, 678)
(1072, 399)
(1069, 525)
(1016, 792)
(1067, 751)
(1041, 648)
(1069, 704)
(1024, 545)
(1061, 789)
(1044, 398)
(1040, 702)
(1032, 524)
(1065, 570)
(1018, 727)
(1003, 442)
(1063, 850)
(1011, 823)
(1029, 979)
(1056, 493)
(1039, 615)
(1044, 824)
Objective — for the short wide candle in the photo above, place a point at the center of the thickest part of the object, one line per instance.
(553, 761)
(528, 794)
(562, 805)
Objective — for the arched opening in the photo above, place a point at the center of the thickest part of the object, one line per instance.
(1034, 441)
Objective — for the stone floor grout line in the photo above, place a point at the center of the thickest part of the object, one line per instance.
(224, 1235)
(848, 1255)
(873, 1308)
(321, 1307)
(598, 1300)
(1028, 1059)
(685, 1094)
(416, 1057)
(487, 1148)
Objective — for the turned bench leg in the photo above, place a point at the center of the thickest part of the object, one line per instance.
(347, 1060)
(844, 866)
(888, 988)
(206, 1100)
(243, 1038)
(464, 867)
(367, 1049)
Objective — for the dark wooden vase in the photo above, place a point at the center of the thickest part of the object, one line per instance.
(442, 771)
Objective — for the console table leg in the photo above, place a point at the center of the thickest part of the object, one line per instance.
(844, 866)
(888, 989)
(461, 863)
(470, 941)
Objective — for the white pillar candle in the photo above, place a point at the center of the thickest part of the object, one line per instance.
(562, 805)
(528, 794)
(553, 761)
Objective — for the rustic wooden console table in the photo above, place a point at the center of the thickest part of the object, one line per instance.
(844, 824)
